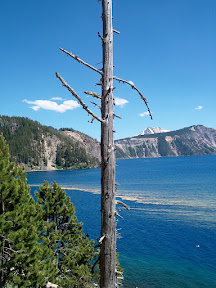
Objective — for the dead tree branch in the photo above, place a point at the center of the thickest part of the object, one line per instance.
(130, 83)
(116, 31)
(114, 77)
(81, 61)
(117, 214)
(103, 39)
(118, 272)
(85, 107)
(12, 250)
(96, 262)
(95, 104)
(93, 94)
(101, 239)
(117, 116)
(123, 204)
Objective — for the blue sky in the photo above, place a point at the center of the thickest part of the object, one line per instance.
(166, 47)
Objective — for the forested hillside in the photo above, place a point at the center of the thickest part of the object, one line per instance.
(38, 147)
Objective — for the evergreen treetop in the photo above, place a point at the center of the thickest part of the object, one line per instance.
(64, 235)
(41, 241)
(22, 256)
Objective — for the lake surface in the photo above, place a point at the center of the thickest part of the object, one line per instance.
(169, 235)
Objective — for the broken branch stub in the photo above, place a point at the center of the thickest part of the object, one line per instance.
(123, 204)
(93, 94)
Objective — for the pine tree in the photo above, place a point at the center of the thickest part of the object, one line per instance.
(73, 251)
(24, 258)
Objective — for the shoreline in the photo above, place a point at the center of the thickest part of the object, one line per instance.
(144, 158)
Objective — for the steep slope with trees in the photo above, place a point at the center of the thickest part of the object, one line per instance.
(38, 147)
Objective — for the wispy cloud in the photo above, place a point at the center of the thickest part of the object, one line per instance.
(51, 105)
(144, 114)
(199, 107)
(57, 98)
(120, 102)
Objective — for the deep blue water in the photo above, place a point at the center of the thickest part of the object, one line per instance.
(169, 235)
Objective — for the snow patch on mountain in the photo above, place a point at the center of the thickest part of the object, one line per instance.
(153, 130)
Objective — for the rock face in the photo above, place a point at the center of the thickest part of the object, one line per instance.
(194, 140)
(38, 147)
(91, 146)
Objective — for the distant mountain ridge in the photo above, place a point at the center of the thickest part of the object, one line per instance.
(193, 140)
(38, 147)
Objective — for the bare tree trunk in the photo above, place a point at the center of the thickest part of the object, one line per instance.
(108, 204)
(108, 269)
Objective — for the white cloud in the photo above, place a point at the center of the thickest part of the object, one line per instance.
(57, 98)
(199, 107)
(51, 105)
(120, 102)
(144, 114)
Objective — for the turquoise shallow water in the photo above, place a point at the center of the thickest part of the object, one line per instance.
(169, 235)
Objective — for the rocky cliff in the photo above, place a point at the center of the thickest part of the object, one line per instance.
(38, 147)
(194, 140)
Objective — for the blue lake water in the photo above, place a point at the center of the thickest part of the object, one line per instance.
(169, 235)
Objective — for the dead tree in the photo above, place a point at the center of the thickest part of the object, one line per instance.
(108, 205)
(108, 271)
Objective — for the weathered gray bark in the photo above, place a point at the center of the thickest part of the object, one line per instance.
(108, 205)
(108, 194)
